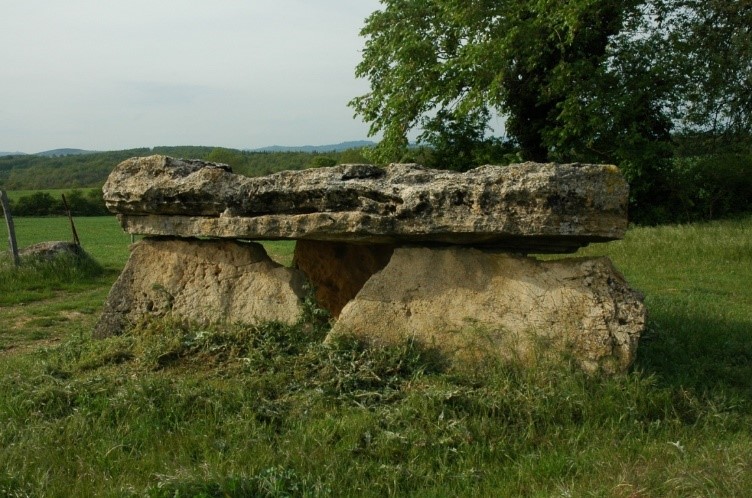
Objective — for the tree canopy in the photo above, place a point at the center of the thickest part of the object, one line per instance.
(596, 80)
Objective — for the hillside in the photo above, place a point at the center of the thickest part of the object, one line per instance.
(318, 148)
(58, 170)
(64, 152)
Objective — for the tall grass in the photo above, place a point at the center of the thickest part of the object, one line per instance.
(170, 410)
(271, 411)
(696, 284)
(38, 278)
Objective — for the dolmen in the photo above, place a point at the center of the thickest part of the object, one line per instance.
(394, 253)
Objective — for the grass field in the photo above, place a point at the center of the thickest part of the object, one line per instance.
(43, 303)
(270, 411)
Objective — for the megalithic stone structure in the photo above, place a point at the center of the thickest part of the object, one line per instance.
(524, 207)
(363, 229)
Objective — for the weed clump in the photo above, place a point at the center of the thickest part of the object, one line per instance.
(37, 277)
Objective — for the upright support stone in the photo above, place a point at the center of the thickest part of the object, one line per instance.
(337, 271)
(202, 281)
(469, 303)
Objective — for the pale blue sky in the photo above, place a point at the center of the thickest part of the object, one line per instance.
(114, 74)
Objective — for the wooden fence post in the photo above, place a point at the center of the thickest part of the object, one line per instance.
(11, 227)
(72, 225)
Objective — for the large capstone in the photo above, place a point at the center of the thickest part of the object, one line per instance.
(469, 304)
(202, 281)
(528, 207)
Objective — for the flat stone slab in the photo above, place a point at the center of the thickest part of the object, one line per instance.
(529, 207)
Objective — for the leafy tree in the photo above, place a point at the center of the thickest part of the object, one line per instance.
(544, 65)
(583, 80)
(321, 161)
(711, 45)
(352, 156)
(226, 156)
(461, 142)
(37, 204)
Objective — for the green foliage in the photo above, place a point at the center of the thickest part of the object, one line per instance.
(461, 143)
(709, 47)
(710, 186)
(322, 162)
(33, 172)
(528, 61)
(92, 169)
(226, 156)
(50, 203)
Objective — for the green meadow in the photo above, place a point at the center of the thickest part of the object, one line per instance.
(175, 411)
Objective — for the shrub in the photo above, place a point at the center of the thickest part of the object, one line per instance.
(712, 186)
(81, 203)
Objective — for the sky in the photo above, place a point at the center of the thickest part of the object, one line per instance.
(114, 74)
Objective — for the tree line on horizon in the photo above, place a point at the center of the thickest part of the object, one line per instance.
(81, 176)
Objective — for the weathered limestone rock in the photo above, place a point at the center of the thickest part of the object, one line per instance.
(337, 271)
(526, 207)
(52, 249)
(469, 303)
(205, 281)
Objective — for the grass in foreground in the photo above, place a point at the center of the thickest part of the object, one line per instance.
(270, 411)
(171, 411)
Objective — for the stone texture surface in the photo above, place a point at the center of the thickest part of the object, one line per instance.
(470, 303)
(204, 281)
(52, 249)
(526, 207)
(337, 270)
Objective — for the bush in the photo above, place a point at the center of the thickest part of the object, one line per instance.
(36, 204)
(89, 203)
(710, 187)
(322, 162)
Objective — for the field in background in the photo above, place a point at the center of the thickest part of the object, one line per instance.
(269, 411)
(102, 237)
(37, 308)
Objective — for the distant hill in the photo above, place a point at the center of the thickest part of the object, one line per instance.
(77, 168)
(64, 152)
(2, 154)
(357, 144)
